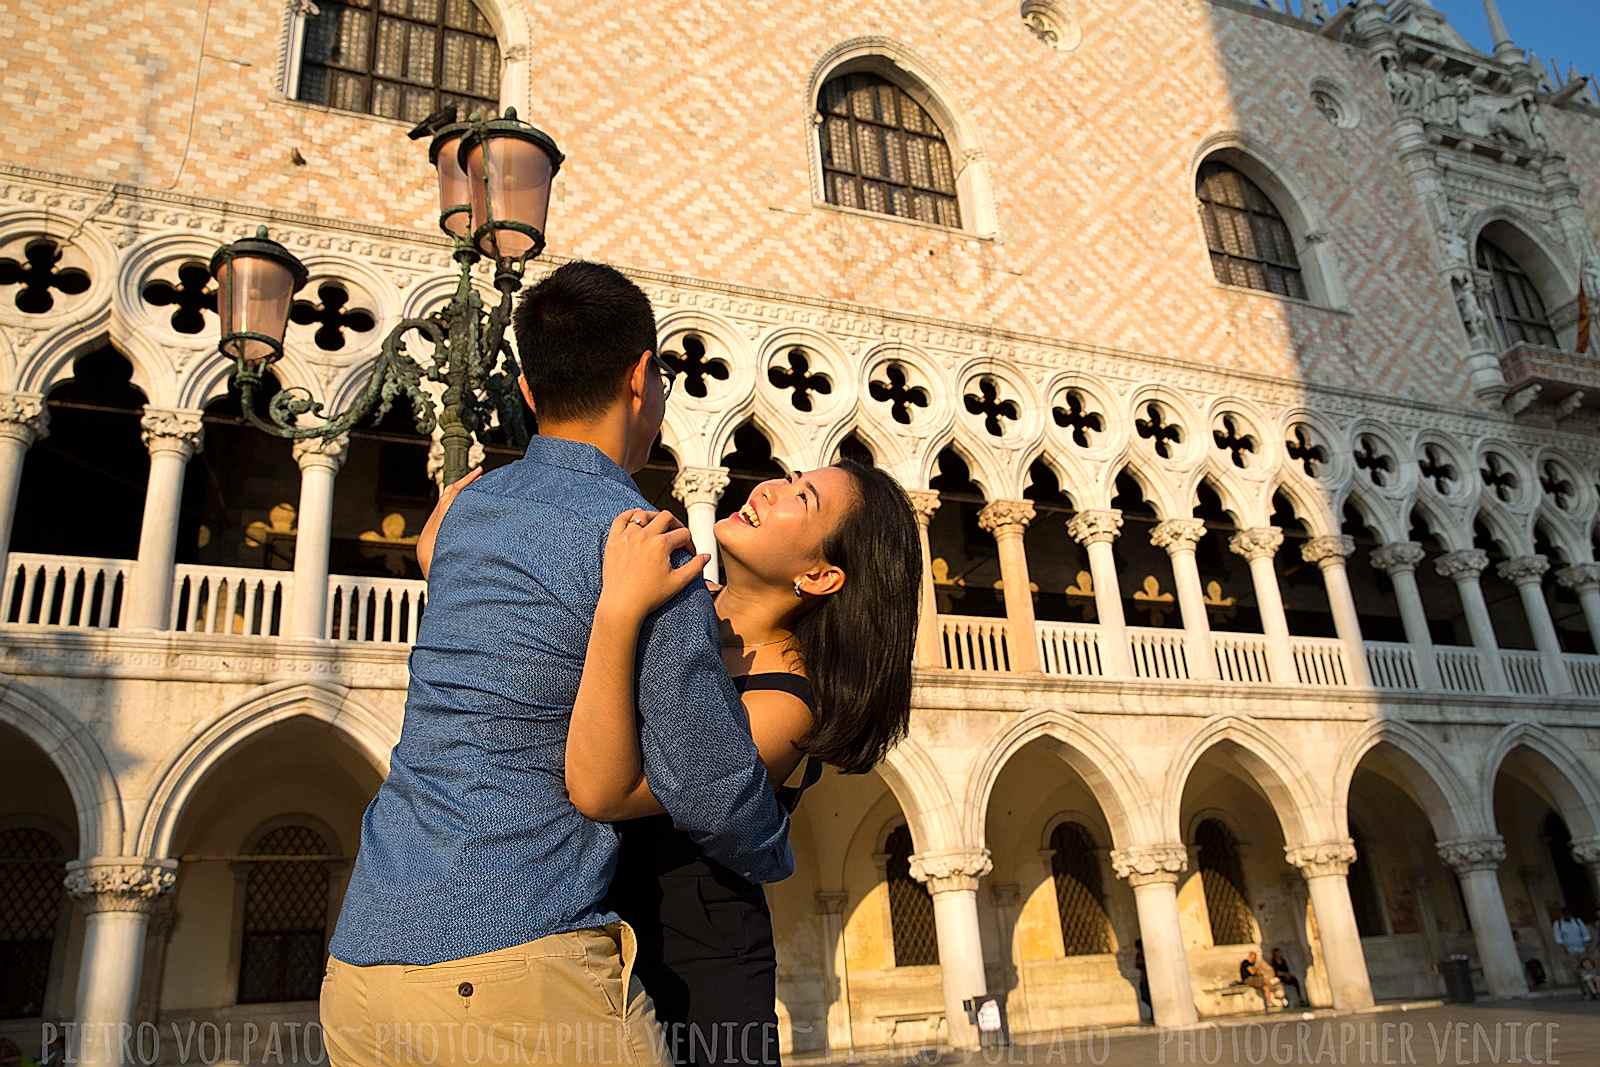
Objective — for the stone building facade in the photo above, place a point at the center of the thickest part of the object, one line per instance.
(1230, 352)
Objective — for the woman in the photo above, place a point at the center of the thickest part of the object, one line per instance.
(818, 610)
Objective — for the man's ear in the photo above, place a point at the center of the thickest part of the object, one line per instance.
(639, 379)
(527, 394)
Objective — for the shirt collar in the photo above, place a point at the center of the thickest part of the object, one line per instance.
(575, 456)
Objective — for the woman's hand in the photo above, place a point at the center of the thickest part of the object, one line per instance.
(637, 576)
(430, 529)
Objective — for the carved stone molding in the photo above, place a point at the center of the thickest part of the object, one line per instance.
(1586, 850)
(1093, 527)
(1465, 854)
(1144, 864)
(1006, 517)
(120, 883)
(1523, 570)
(948, 872)
(1398, 557)
(924, 502)
(1322, 860)
(326, 452)
(1051, 24)
(1178, 535)
(1327, 550)
(700, 485)
(1262, 542)
(23, 417)
(1466, 563)
(1580, 577)
(171, 430)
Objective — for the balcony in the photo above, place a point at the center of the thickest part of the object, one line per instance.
(1560, 382)
(79, 593)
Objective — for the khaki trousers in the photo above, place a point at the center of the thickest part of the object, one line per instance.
(563, 999)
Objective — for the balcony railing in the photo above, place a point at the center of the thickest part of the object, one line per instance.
(67, 592)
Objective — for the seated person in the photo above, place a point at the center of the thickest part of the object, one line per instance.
(1258, 974)
(1589, 979)
(1280, 966)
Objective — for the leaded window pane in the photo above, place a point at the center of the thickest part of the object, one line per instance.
(1517, 306)
(916, 943)
(1222, 877)
(432, 52)
(283, 947)
(1250, 243)
(1080, 895)
(32, 867)
(872, 130)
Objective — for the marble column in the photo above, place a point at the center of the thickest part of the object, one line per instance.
(952, 878)
(1259, 546)
(699, 489)
(1463, 567)
(930, 643)
(1095, 531)
(320, 459)
(173, 437)
(1476, 861)
(1007, 521)
(1527, 574)
(1399, 559)
(23, 421)
(117, 895)
(835, 970)
(1329, 553)
(1582, 578)
(1180, 537)
(1152, 871)
(1325, 867)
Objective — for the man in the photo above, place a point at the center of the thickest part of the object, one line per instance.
(472, 929)
(1572, 935)
(1259, 976)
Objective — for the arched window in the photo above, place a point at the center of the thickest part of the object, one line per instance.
(1251, 245)
(32, 868)
(1364, 896)
(882, 152)
(282, 951)
(1515, 301)
(1222, 875)
(401, 59)
(1080, 897)
(916, 944)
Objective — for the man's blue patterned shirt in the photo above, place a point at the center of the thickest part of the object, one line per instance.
(471, 844)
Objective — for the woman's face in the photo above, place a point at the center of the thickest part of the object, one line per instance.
(778, 533)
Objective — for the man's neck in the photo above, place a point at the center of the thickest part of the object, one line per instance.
(605, 433)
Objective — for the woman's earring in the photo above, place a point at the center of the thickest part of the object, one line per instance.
(797, 591)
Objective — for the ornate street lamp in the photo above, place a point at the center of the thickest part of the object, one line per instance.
(494, 193)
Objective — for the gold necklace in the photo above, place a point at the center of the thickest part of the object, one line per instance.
(764, 644)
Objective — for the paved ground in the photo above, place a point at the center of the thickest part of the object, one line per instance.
(1558, 1030)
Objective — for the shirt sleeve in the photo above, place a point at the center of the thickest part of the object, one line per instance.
(695, 746)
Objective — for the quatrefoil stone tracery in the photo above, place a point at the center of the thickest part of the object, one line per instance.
(1558, 485)
(994, 409)
(1303, 447)
(896, 390)
(1158, 428)
(1437, 470)
(1374, 461)
(799, 380)
(332, 315)
(190, 298)
(1230, 438)
(1073, 414)
(695, 367)
(37, 273)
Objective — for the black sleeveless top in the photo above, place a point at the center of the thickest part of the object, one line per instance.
(652, 844)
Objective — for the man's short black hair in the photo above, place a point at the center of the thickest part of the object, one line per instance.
(579, 332)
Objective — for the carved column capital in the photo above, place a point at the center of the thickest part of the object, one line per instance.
(1580, 577)
(1524, 570)
(1465, 854)
(1467, 563)
(924, 502)
(1262, 542)
(1322, 859)
(1398, 557)
(831, 901)
(120, 883)
(1146, 864)
(1178, 535)
(23, 417)
(1586, 850)
(957, 870)
(171, 430)
(1093, 527)
(1006, 518)
(700, 485)
(1327, 551)
(328, 452)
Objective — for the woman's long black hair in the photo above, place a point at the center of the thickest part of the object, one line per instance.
(857, 644)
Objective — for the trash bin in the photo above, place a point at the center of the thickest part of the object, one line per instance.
(988, 1014)
(1457, 974)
